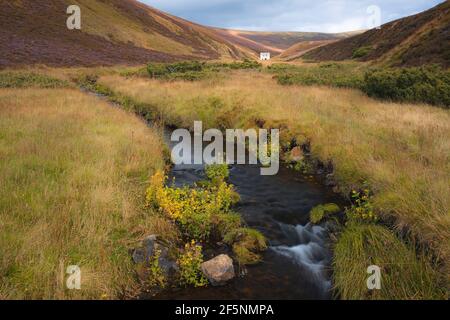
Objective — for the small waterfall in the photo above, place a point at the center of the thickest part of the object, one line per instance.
(310, 252)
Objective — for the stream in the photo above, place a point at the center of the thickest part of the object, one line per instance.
(297, 263)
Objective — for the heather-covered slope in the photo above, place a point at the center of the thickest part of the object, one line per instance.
(416, 40)
(112, 32)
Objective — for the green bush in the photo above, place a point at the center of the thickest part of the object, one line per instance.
(25, 80)
(341, 75)
(217, 172)
(194, 70)
(425, 84)
(156, 274)
(361, 52)
(156, 70)
(189, 263)
(245, 64)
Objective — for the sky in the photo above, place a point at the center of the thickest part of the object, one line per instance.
(292, 15)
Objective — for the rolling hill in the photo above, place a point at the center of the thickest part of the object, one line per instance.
(112, 32)
(299, 49)
(123, 32)
(274, 42)
(420, 39)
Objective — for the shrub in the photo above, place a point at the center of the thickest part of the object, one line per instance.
(425, 84)
(225, 223)
(323, 211)
(190, 262)
(217, 172)
(25, 80)
(156, 276)
(245, 64)
(361, 52)
(156, 70)
(192, 208)
(362, 207)
(160, 69)
(194, 70)
(205, 211)
(341, 75)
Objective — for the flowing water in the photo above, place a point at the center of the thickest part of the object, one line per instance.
(297, 264)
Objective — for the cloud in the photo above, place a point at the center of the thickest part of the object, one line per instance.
(289, 15)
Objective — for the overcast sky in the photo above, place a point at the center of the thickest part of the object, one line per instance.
(290, 15)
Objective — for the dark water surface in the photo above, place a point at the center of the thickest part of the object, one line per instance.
(297, 264)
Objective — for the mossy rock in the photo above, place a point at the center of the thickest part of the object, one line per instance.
(247, 244)
(319, 213)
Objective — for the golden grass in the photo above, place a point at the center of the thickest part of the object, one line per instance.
(401, 150)
(73, 172)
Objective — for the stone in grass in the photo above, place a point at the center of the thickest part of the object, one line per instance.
(148, 249)
(219, 270)
(141, 255)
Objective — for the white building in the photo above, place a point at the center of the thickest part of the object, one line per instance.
(264, 56)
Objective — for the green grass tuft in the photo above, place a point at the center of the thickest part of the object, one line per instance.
(403, 274)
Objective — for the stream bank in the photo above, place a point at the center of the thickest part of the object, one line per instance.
(297, 263)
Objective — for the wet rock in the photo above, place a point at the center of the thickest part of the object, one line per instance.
(150, 246)
(167, 265)
(142, 254)
(219, 270)
(329, 180)
(333, 227)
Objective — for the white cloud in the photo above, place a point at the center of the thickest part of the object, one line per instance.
(289, 15)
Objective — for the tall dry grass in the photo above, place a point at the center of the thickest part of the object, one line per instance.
(73, 173)
(401, 150)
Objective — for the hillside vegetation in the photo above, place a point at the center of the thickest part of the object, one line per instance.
(112, 32)
(412, 41)
(123, 32)
(426, 84)
(73, 174)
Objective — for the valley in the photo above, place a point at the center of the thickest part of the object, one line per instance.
(87, 178)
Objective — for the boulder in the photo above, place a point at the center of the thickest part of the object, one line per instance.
(219, 270)
(142, 254)
(150, 246)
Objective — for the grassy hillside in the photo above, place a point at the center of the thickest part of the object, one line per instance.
(112, 32)
(275, 42)
(299, 49)
(73, 174)
(412, 41)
